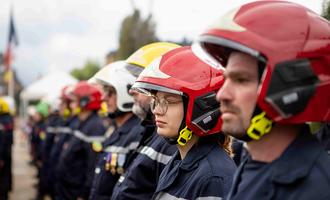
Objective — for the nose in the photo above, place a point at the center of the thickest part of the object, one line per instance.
(156, 110)
(104, 96)
(132, 92)
(225, 93)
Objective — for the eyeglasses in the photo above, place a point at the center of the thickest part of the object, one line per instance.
(162, 104)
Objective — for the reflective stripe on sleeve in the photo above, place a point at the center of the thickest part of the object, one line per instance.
(58, 130)
(154, 155)
(64, 129)
(120, 149)
(89, 139)
(51, 129)
(167, 196)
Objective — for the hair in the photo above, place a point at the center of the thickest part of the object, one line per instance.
(225, 142)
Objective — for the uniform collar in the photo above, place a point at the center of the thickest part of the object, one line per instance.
(189, 163)
(297, 160)
(127, 126)
(197, 152)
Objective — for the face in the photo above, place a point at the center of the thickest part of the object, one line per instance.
(141, 104)
(37, 117)
(63, 108)
(168, 120)
(110, 97)
(74, 105)
(238, 95)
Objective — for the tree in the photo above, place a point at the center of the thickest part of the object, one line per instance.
(85, 73)
(326, 9)
(135, 32)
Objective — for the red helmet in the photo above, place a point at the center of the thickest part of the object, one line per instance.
(89, 96)
(293, 43)
(66, 93)
(180, 72)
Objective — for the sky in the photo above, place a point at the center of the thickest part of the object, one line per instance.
(64, 34)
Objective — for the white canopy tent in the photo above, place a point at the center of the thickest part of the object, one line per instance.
(48, 87)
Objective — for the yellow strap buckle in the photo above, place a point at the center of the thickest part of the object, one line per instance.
(97, 147)
(42, 135)
(184, 136)
(260, 125)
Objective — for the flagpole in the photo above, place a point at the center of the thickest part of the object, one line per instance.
(12, 42)
(11, 83)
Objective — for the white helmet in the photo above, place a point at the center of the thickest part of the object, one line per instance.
(116, 75)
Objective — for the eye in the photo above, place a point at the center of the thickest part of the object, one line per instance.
(173, 101)
(241, 80)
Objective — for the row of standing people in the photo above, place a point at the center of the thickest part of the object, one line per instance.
(192, 159)
(6, 142)
(84, 155)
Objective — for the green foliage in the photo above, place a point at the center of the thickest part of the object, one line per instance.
(89, 69)
(135, 32)
(326, 9)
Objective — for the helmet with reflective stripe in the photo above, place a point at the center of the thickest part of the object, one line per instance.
(293, 45)
(4, 106)
(181, 72)
(146, 54)
(117, 76)
(66, 93)
(89, 96)
(141, 58)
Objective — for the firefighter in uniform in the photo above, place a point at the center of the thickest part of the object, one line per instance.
(6, 142)
(274, 83)
(75, 169)
(38, 140)
(53, 121)
(183, 89)
(144, 166)
(64, 131)
(116, 82)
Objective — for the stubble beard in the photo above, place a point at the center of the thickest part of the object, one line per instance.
(234, 128)
(139, 111)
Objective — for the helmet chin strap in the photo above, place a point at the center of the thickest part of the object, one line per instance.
(260, 125)
(184, 136)
(115, 114)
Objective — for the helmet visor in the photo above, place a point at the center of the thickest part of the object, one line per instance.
(220, 48)
(148, 89)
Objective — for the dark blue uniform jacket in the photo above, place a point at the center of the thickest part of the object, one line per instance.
(145, 166)
(324, 136)
(6, 142)
(116, 149)
(63, 133)
(301, 172)
(75, 170)
(206, 172)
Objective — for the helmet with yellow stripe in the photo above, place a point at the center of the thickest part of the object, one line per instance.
(4, 106)
(142, 57)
